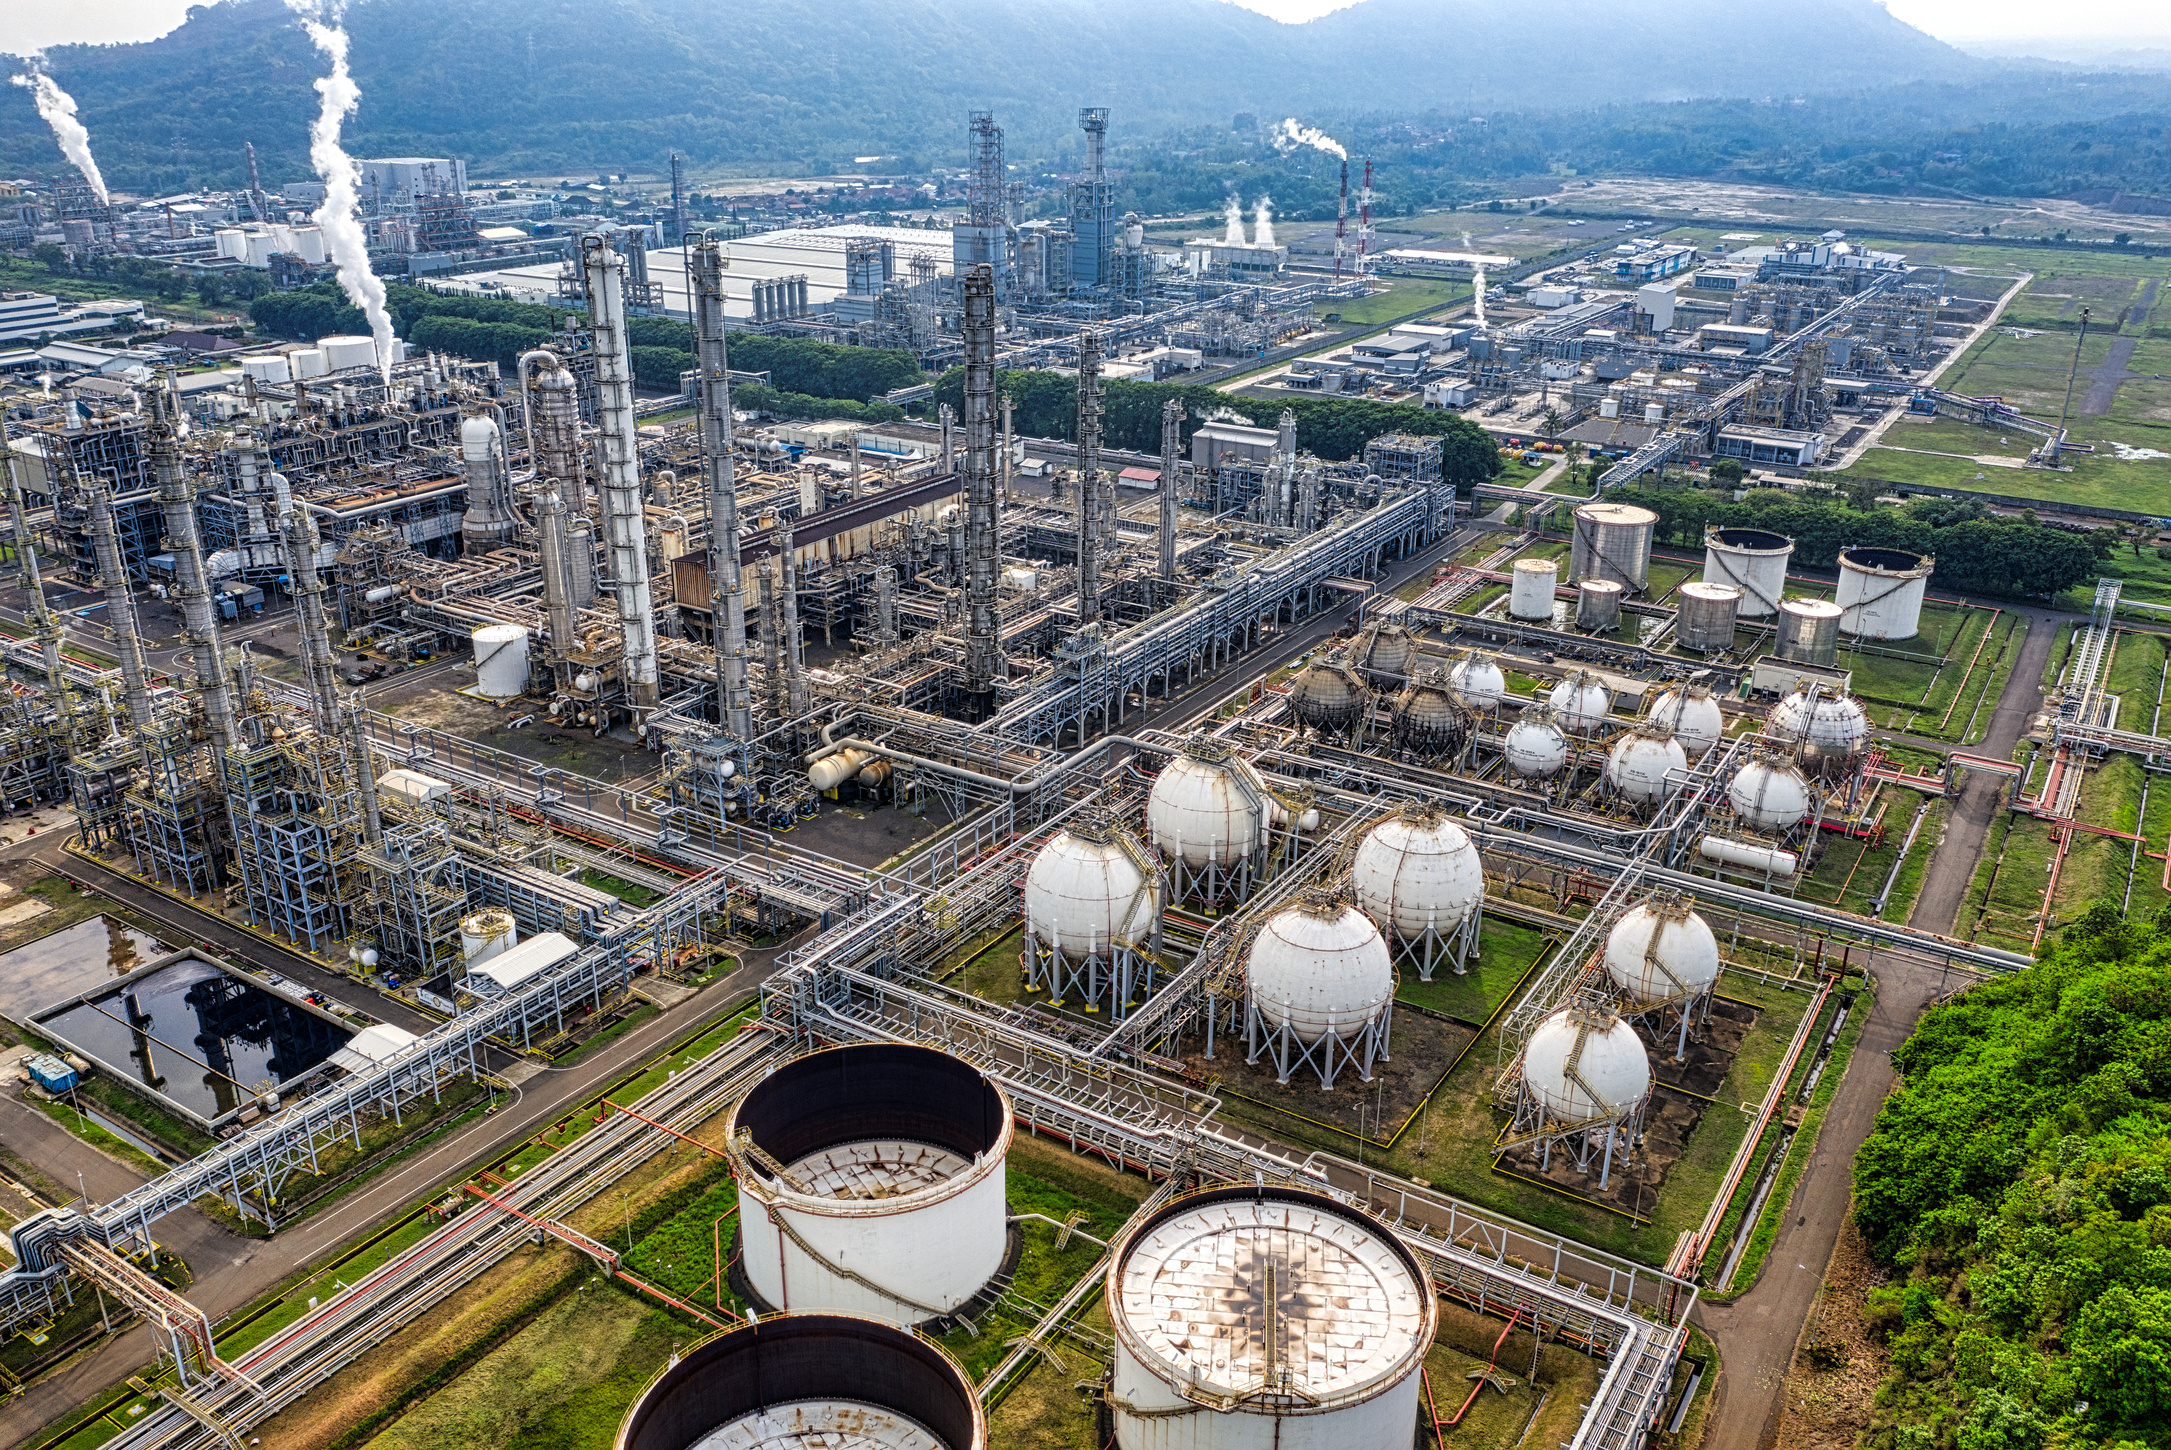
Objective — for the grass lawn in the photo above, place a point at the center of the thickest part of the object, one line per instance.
(1852, 871)
(1951, 701)
(1401, 297)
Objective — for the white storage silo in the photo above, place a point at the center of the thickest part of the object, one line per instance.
(1613, 541)
(260, 246)
(1753, 561)
(1319, 989)
(1580, 702)
(484, 934)
(232, 244)
(1477, 681)
(1598, 606)
(266, 367)
(1092, 916)
(1808, 632)
(501, 660)
(1880, 592)
(1641, 761)
(1829, 732)
(1418, 875)
(890, 1199)
(1770, 793)
(1266, 1318)
(348, 351)
(307, 362)
(1584, 1082)
(1530, 589)
(800, 1381)
(1209, 814)
(1704, 619)
(1692, 713)
(1535, 745)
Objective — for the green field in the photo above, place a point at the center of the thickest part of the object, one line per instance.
(1400, 297)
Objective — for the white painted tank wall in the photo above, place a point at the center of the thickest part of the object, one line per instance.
(1757, 567)
(1530, 591)
(1880, 593)
(1384, 1421)
(501, 660)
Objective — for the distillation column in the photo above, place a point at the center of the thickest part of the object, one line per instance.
(727, 589)
(120, 604)
(43, 624)
(795, 674)
(982, 659)
(338, 722)
(199, 621)
(1171, 447)
(1089, 477)
(488, 522)
(624, 516)
(553, 413)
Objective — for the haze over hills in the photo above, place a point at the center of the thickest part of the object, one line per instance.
(539, 85)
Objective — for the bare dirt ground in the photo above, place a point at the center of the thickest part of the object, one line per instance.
(1828, 1395)
(1779, 207)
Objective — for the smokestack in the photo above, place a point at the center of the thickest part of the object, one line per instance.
(727, 588)
(1171, 442)
(1089, 476)
(624, 519)
(981, 649)
(1341, 224)
(1364, 217)
(553, 414)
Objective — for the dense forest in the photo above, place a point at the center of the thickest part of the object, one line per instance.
(2018, 1184)
(1977, 552)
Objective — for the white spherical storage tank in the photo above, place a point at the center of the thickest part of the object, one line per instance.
(1612, 1072)
(1477, 681)
(1580, 702)
(1770, 793)
(1266, 1319)
(1090, 887)
(1831, 732)
(1693, 715)
(891, 1199)
(501, 660)
(1661, 950)
(1641, 761)
(1880, 592)
(801, 1381)
(1535, 745)
(1203, 809)
(1319, 987)
(1419, 876)
(1530, 589)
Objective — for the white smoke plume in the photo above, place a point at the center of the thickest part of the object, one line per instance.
(1262, 223)
(58, 109)
(1478, 281)
(338, 215)
(1292, 134)
(1232, 216)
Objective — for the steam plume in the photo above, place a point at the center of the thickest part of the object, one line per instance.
(1233, 217)
(1262, 223)
(1478, 281)
(1293, 135)
(337, 214)
(58, 109)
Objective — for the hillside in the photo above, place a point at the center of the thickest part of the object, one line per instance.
(529, 86)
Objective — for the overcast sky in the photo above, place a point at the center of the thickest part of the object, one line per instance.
(28, 25)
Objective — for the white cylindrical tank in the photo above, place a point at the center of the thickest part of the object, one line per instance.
(1535, 744)
(348, 352)
(1255, 1318)
(1832, 734)
(1640, 761)
(832, 771)
(479, 438)
(266, 367)
(1090, 886)
(307, 362)
(1580, 702)
(486, 933)
(501, 660)
(1768, 859)
(1598, 605)
(1693, 715)
(1418, 871)
(1530, 590)
(1753, 561)
(1581, 1065)
(1320, 966)
(1880, 592)
(1770, 793)
(1477, 681)
(1808, 632)
(260, 247)
(232, 243)
(1206, 808)
(891, 1202)
(1613, 541)
(1661, 949)
(1654, 413)
(308, 243)
(1704, 620)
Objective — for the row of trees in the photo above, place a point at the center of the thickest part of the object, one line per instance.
(2019, 1184)
(1046, 406)
(1976, 552)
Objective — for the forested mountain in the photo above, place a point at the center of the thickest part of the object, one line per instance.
(530, 86)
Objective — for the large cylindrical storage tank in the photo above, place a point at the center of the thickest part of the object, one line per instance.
(1598, 605)
(348, 352)
(1808, 632)
(799, 1380)
(1580, 702)
(1535, 745)
(1753, 561)
(501, 660)
(1418, 875)
(1613, 541)
(1704, 619)
(1692, 713)
(266, 367)
(485, 934)
(1581, 1065)
(891, 1203)
(1091, 888)
(1530, 589)
(306, 363)
(1477, 681)
(1319, 967)
(1831, 734)
(1257, 1318)
(1660, 950)
(1641, 761)
(1327, 696)
(1770, 793)
(1880, 592)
